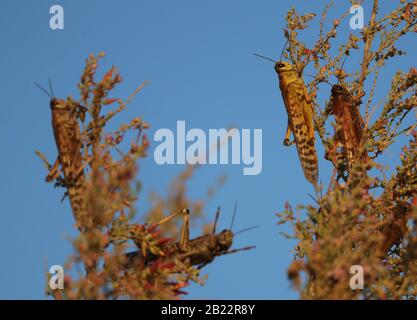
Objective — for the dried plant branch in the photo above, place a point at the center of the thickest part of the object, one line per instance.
(109, 194)
(368, 35)
(367, 216)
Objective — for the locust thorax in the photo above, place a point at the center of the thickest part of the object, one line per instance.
(224, 240)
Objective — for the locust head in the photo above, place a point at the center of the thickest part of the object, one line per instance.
(287, 72)
(282, 66)
(224, 240)
(337, 89)
(57, 104)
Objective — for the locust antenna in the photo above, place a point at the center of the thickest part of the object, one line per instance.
(234, 216)
(341, 68)
(245, 230)
(323, 80)
(43, 90)
(321, 189)
(263, 57)
(343, 63)
(238, 250)
(215, 220)
(283, 49)
(314, 199)
(50, 87)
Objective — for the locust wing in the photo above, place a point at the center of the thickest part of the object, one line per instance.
(300, 118)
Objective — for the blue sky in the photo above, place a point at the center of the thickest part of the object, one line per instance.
(197, 56)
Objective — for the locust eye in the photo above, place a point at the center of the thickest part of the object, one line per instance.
(281, 65)
(53, 103)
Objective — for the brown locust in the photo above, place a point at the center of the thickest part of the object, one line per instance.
(349, 126)
(198, 252)
(67, 135)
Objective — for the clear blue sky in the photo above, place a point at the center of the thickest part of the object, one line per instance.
(197, 55)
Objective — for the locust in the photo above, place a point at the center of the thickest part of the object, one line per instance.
(197, 252)
(395, 228)
(67, 136)
(350, 126)
(300, 116)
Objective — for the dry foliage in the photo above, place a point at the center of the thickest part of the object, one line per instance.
(366, 216)
(108, 229)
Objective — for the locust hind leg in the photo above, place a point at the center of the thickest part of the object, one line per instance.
(80, 170)
(308, 116)
(170, 217)
(54, 172)
(185, 230)
(308, 113)
(287, 141)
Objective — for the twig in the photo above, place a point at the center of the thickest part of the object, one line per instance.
(369, 35)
